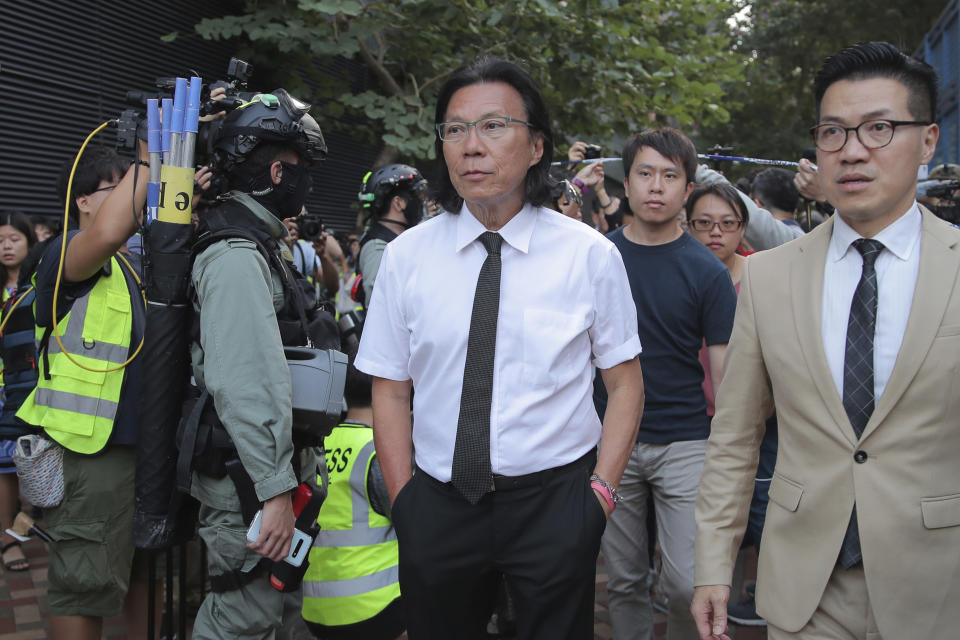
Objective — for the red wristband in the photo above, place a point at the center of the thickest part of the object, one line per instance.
(603, 491)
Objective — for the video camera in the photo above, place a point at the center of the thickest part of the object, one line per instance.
(310, 226)
(592, 151)
(945, 190)
(132, 123)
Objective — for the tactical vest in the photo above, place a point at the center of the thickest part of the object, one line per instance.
(301, 316)
(205, 446)
(18, 351)
(74, 406)
(353, 563)
(376, 231)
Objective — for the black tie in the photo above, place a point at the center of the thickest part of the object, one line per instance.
(858, 370)
(471, 453)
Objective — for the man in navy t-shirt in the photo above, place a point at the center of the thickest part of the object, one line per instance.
(684, 296)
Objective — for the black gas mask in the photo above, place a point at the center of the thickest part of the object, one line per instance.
(285, 199)
(413, 212)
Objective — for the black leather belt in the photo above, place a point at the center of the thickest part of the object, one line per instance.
(585, 462)
(538, 478)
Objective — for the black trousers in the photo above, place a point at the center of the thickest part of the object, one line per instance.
(541, 532)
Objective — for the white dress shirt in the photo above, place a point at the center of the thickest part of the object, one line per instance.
(897, 267)
(565, 303)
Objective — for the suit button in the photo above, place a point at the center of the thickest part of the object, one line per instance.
(860, 457)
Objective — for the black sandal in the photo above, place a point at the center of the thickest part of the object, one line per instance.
(18, 564)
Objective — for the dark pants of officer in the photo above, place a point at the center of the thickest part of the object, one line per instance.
(541, 531)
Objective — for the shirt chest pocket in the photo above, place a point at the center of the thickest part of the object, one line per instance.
(555, 345)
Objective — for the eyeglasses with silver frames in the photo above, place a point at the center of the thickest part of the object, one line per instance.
(494, 127)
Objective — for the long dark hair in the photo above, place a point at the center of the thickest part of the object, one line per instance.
(486, 70)
(21, 223)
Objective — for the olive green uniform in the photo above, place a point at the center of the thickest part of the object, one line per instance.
(240, 361)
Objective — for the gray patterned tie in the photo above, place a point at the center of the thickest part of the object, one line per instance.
(858, 370)
(471, 453)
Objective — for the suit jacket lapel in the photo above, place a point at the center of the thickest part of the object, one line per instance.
(807, 290)
(939, 264)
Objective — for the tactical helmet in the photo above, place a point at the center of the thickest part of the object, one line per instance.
(269, 117)
(380, 184)
(948, 171)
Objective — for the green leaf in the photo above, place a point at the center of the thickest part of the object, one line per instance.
(170, 37)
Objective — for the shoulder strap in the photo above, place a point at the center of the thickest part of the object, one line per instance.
(274, 261)
(375, 231)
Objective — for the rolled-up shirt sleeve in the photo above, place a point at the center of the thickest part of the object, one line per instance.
(613, 335)
(385, 345)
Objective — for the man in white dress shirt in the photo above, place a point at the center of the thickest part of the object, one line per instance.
(496, 313)
(853, 331)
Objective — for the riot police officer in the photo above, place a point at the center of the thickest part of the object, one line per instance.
(249, 304)
(392, 199)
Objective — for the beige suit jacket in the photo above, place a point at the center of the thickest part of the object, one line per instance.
(907, 490)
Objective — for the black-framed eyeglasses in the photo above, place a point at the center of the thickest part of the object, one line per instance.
(872, 134)
(727, 225)
(494, 127)
(108, 188)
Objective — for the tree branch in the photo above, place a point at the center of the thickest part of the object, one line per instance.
(389, 84)
(443, 75)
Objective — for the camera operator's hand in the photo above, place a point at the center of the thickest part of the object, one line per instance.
(276, 528)
(577, 152)
(201, 180)
(217, 94)
(293, 231)
(807, 182)
(592, 175)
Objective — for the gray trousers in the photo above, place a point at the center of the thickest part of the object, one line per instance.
(255, 612)
(671, 473)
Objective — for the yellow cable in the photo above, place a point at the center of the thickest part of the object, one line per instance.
(14, 306)
(63, 253)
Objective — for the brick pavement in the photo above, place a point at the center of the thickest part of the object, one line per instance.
(23, 595)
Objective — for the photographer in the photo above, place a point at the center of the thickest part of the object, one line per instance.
(392, 200)
(88, 403)
(602, 207)
(249, 305)
(304, 255)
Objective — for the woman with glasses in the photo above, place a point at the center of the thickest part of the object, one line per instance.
(717, 217)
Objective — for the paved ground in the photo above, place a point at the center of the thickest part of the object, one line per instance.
(22, 603)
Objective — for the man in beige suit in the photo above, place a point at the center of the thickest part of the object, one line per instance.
(853, 332)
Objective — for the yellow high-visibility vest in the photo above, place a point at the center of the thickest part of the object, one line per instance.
(77, 407)
(353, 572)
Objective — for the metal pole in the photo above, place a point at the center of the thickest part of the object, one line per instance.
(176, 125)
(190, 124)
(167, 114)
(155, 147)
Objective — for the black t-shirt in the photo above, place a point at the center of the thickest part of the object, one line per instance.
(684, 296)
(125, 426)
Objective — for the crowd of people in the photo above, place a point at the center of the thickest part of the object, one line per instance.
(541, 365)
